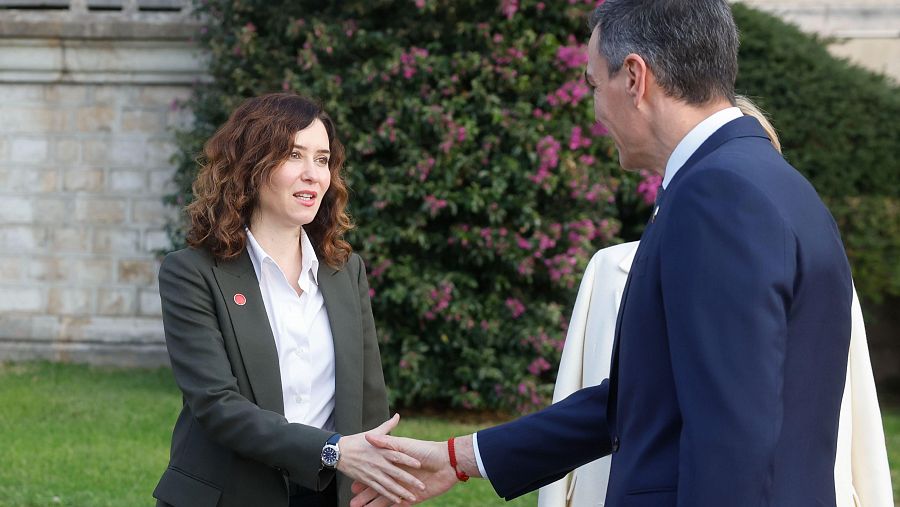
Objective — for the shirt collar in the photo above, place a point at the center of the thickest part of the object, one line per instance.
(310, 262)
(696, 137)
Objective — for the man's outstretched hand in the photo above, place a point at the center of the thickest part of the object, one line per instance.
(435, 470)
(385, 470)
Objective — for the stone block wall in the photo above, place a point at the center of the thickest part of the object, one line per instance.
(86, 139)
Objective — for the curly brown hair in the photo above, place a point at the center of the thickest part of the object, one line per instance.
(240, 157)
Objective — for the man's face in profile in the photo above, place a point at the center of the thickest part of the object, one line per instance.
(613, 106)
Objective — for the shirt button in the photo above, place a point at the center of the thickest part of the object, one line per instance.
(299, 398)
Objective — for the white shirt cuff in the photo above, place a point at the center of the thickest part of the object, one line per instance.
(478, 457)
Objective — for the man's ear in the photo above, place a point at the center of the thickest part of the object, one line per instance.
(636, 76)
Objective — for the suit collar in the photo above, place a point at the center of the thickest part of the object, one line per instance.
(695, 138)
(239, 266)
(745, 126)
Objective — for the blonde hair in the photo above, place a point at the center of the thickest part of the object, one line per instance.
(750, 109)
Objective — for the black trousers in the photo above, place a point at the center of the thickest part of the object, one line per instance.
(302, 497)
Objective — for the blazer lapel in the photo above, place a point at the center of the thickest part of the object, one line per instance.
(252, 330)
(342, 305)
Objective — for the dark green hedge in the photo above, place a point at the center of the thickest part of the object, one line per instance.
(480, 185)
(839, 126)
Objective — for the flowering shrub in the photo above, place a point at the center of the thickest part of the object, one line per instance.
(480, 184)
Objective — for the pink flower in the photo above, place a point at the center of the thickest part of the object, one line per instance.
(548, 151)
(523, 243)
(571, 57)
(545, 242)
(538, 366)
(410, 59)
(515, 53)
(648, 186)
(379, 270)
(577, 140)
(350, 28)
(526, 267)
(424, 168)
(420, 4)
(509, 8)
(434, 204)
(571, 92)
(440, 298)
(598, 129)
(516, 308)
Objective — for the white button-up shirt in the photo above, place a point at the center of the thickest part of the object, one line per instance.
(302, 335)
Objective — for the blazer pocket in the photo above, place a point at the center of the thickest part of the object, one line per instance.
(181, 489)
(657, 497)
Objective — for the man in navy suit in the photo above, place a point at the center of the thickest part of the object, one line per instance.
(732, 338)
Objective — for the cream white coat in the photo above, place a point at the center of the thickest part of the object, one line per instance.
(862, 475)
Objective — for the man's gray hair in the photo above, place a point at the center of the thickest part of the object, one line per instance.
(690, 45)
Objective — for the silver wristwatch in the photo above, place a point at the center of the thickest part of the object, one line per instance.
(331, 453)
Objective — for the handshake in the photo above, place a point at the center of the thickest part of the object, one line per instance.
(390, 470)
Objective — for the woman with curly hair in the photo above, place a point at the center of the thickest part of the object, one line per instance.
(269, 326)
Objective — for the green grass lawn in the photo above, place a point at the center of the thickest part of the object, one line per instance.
(892, 435)
(72, 435)
(78, 436)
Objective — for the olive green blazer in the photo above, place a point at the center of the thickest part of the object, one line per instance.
(232, 446)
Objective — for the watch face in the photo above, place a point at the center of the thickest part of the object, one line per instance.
(329, 455)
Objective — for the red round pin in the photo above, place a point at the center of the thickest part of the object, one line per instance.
(239, 299)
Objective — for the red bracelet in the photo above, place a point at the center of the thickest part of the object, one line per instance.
(451, 449)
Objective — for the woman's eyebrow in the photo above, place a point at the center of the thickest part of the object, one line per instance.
(304, 148)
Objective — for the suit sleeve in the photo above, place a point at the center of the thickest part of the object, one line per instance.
(375, 407)
(535, 450)
(727, 271)
(202, 371)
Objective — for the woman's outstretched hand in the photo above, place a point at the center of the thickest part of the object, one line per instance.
(384, 470)
(435, 470)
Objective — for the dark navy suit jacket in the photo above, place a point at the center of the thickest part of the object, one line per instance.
(730, 355)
